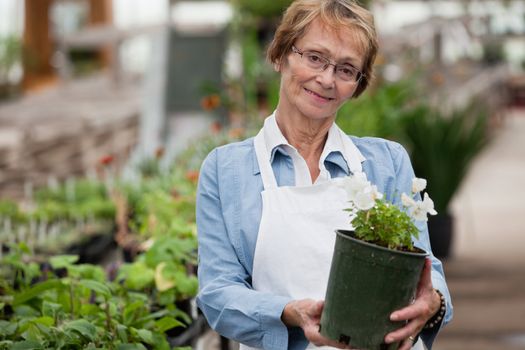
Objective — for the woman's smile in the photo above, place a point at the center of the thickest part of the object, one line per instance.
(319, 97)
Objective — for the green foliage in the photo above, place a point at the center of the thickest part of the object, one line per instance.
(80, 199)
(442, 147)
(264, 8)
(10, 54)
(378, 112)
(10, 209)
(81, 310)
(385, 225)
(163, 269)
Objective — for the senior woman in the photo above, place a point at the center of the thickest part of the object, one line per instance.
(265, 238)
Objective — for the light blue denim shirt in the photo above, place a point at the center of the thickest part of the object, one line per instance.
(229, 211)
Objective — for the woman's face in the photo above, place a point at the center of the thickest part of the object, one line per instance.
(319, 94)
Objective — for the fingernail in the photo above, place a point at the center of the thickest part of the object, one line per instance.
(394, 317)
(389, 339)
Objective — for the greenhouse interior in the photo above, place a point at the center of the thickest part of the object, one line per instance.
(108, 109)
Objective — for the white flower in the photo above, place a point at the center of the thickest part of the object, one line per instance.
(418, 185)
(422, 208)
(407, 200)
(375, 193)
(355, 184)
(366, 199)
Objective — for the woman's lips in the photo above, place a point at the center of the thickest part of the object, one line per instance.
(318, 96)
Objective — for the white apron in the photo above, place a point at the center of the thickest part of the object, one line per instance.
(296, 235)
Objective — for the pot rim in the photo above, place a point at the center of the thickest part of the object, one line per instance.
(344, 234)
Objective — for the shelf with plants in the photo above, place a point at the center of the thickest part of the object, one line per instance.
(64, 305)
(92, 303)
(59, 218)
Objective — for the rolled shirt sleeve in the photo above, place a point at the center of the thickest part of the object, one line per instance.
(225, 295)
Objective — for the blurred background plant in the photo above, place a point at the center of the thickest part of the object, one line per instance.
(10, 56)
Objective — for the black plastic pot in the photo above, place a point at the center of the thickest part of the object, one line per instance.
(440, 232)
(188, 336)
(366, 284)
(95, 249)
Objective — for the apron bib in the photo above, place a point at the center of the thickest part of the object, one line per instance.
(296, 237)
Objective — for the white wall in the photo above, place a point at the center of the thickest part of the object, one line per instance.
(11, 17)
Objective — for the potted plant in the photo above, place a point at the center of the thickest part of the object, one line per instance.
(442, 147)
(375, 268)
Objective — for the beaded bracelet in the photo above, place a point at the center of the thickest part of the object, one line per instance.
(438, 316)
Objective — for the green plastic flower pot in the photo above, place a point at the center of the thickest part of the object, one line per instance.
(366, 284)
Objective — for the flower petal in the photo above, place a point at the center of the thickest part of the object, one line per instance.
(407, 201)
(418, 185)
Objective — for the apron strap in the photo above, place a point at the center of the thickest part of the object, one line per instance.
(263, 158)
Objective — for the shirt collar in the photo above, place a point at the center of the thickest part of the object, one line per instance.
(333, 151)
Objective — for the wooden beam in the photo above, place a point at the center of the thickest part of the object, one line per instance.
(38, 44)
(101, 13)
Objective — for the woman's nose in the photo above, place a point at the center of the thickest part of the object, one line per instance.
(326, 77)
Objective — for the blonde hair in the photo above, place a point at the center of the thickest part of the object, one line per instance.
(336, 14)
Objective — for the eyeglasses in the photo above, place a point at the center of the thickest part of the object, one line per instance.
(345, 72)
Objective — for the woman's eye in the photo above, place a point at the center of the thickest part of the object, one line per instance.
(314, 58)
(349, 71)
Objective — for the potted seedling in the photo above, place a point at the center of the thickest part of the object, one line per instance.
(375, 268)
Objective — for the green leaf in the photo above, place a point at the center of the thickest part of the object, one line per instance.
(32, 332)
(25, 311)
(122, 333)
(167, 323)
(50, 309)
(7, 328)
(87, 271)
(26, 345)
(139, 276)
(131, 347)
(89, 310)
(83, 327)
(35, 291)
(130, 311)
(145, 335)
(44, 320)
(62, 261)
(96, 286)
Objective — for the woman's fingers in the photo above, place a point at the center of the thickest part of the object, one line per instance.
(412, 327)
(406, 344)
(318, 340)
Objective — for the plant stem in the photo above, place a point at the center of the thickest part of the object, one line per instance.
(108, 322)
(71, 299)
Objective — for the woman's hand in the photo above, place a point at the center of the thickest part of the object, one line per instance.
(306, 314)
(417, 314)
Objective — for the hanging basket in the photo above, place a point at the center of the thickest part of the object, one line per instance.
(366, 284)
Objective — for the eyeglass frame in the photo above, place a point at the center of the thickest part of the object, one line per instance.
(360, 74)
